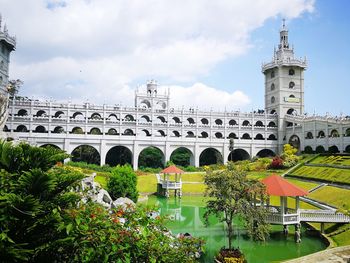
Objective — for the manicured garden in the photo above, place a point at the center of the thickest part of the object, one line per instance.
(340, 160)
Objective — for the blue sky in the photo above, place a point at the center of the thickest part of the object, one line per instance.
(208, 52)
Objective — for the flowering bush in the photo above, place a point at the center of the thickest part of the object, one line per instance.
(277, 163)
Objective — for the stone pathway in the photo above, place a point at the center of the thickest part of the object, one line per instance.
(334, 255)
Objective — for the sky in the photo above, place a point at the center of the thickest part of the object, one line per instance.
(209, 53)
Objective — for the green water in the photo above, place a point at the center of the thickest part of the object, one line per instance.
(187, 216)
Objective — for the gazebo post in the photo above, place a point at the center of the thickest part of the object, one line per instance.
(297, 203)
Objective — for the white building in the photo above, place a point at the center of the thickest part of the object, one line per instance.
(117, 132)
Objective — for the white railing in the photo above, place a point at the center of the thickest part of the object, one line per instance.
(326, 216)
(171, 185)
(286, 219)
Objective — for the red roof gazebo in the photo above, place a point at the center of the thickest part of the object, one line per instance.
(164, 185)
(278, 186)
(172, 169)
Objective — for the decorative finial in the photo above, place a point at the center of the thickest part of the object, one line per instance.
(283, 23)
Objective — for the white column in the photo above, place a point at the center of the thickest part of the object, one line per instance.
(135, 156)
(103, 153)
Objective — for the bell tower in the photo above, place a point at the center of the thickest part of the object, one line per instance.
(7, 44)
(152, 99)
(284, 83)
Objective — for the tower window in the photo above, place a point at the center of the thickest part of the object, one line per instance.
(291, 84)
(291, 72)
(273, 100)
(272, 74)
(272, 86)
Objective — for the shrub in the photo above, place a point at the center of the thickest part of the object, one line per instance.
(122, 183)
(277, 163)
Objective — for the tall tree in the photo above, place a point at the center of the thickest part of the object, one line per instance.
(231, 194)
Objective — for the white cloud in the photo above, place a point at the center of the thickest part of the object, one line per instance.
(96, 49)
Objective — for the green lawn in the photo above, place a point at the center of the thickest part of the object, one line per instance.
(336, 160)
(305, 185)
(323, 173)
(333, 196)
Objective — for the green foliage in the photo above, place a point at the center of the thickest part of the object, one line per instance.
(30, 190)
(289, 156)
(181, 157)
(151, 157)
(277, 163)
(91, 166)
(126, 235)
(122, 183)
(231, 194)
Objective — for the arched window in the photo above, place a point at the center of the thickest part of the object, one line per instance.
(129, 118)
(190, 134)
(321, 134)
(218, 122)
(96, 116)
(273, 112)
(190, 121)
(272, 137)
(246, 136)
(58, 129)
(204, 121)
(272, 86)
(128, 132)
(309, 135)
(272, 74)
(218, 135)
(232, 135)
(259, 137)
(40, 129)
(204, 134)
(95, 131)
(291, 111)
(246, 123)
(176, 134)
(22, 112)
(273, 100)
(271, 124)
(112, 131)
(291, 84)
(334, 133)
(259, 124)
(291, 72)
(291, 96)
(232, 122)
(21, 128)
(77, 130)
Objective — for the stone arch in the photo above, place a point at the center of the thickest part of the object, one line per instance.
(118, 155)
(259, 124)
(232, 122)
(321, 134)
(160, 133)
(21, 128)
(145, 104)
(160, 105)
(78, 115)
(246, 123)
(259, 136)
(41, 113)
(272, 137)
(86, 153)
(238, 155)
(22, 112)
(289, 124)
(291, 111)
(95, 131)
(190, 134)
(273, 111)
(246, 136)
(309, 135)
(59, 114)
(182, 156)
(210, 156)
(205, 121)
(152, 157)
(219, 135)
(291, 72)
(6, 129)
(291, 85)
(271, 124)
(204, 134)
(145, 132)
(112, 131)
(58, 129)
(334, 133)
(113, 117)
(50, 145)
(347, 132)
(190, 120)
(320, 149)
(291, 96)
(129, 132)
(232, 135)
(77, 130)
(273, 99)
(96, 116)
(218, 122)
(347, 149)
(129, 117)
(176, 134)
(272, 87)
(308, 149)
(162, 119)
(176, 119)
(40, 129)
(266, 153)
(294, 140)
(333, 149)
(144, 118)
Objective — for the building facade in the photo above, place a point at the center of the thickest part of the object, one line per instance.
(112, 131)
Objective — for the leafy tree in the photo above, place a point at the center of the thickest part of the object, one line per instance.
(181, 157)
(151, 157)
(14, 86)
(289, 155)
(122, 183)
(30, 191)
(231, 194)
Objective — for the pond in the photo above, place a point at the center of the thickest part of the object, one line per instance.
(186, 215)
